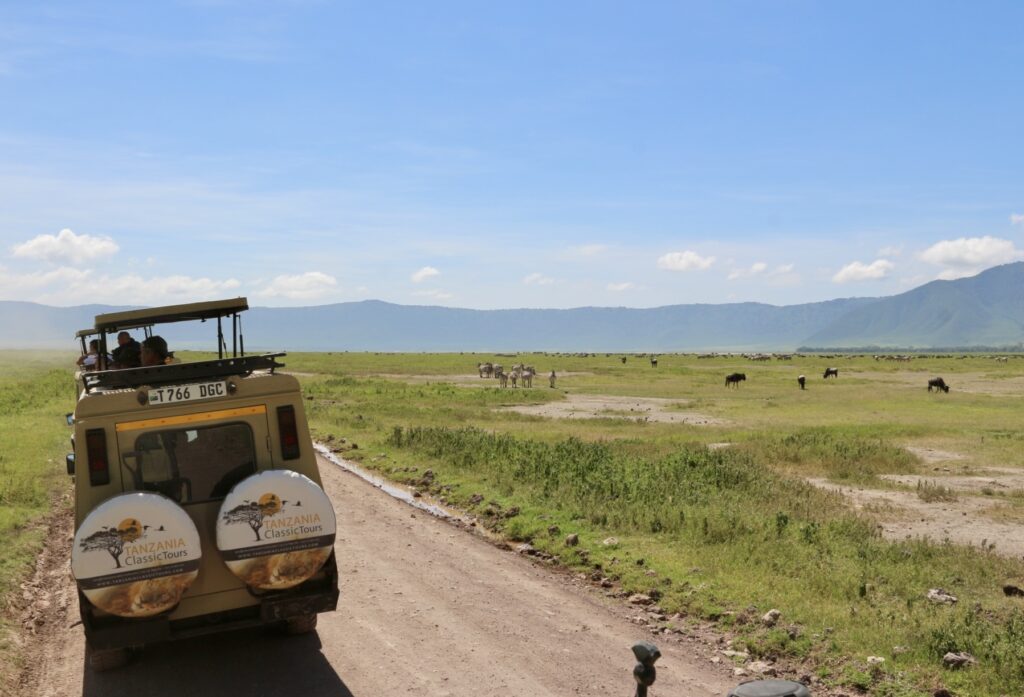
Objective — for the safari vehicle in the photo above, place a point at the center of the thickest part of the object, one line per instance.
(198, 503)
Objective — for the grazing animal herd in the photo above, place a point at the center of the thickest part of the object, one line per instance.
(522, 375)
(519, 374)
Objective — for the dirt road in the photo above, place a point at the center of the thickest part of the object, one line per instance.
(426, 609)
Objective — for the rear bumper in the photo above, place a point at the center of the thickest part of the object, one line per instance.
(318, 594)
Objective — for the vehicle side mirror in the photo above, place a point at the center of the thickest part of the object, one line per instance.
(70, 418)
(70, 460)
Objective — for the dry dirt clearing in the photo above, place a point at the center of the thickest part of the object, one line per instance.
(971, 519)
(589, 406)
(426, 609)
(904, 514)
(973, 383)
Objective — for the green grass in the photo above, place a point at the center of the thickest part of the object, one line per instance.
(722, 535)
(36, 390)
(727, 533)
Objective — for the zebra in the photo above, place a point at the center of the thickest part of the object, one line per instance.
(497, 369)
(528, 374)
(486, 370)
(502, 378)
(551, 380)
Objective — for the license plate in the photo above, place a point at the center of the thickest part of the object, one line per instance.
(188, 393)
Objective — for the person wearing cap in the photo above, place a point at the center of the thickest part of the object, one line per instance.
(154, 351)
(127, 353)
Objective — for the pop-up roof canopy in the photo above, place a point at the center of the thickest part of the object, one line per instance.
(133, 319)
(234, 362)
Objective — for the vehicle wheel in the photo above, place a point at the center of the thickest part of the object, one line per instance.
(106, 659)
(303, 624)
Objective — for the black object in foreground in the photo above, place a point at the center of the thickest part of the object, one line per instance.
(771, 688)
(644, 673)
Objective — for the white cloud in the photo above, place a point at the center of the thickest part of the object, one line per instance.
(857, 271)
(538, 279)
(42, 280)
(953, 274)
(755, 269)
(433, 293)
(588, 250)
(684, 261)
(66, 247)
(307, 286)
(782, 270)
(968, 255)
(619, 287)
(1017, 219)
(424, 273)
(70, 286)
(892, 250)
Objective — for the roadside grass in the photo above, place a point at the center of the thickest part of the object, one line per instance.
(36, 390)
(729, 533)
(729, 539)
(930, 492)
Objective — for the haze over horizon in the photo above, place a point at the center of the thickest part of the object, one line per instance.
(305, 153)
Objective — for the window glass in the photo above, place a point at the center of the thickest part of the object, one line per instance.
(191, 464)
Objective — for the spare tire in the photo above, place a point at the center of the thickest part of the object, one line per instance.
(275, 529)
(136, 554)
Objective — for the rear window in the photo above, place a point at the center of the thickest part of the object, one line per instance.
(191, 464)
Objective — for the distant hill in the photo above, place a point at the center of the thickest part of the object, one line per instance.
(985, 310)
(378, 326)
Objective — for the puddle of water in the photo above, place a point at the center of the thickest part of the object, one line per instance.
(388, 488)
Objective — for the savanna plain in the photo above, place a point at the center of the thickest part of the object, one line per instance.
(841, 505)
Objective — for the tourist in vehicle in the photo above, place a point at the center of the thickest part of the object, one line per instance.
(154, 351)
(128, 352)
(91, 360)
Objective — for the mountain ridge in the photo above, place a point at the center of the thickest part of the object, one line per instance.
(982, 310)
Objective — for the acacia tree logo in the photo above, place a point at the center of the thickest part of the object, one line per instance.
(253, 512)
(112, 539)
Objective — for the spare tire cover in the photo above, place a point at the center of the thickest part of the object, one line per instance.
(136, 554)
(275, 529)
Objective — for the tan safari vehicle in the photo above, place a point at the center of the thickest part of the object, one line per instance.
(198, 503)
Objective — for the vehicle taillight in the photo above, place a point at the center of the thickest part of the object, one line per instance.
(96, 446)
(289, 432)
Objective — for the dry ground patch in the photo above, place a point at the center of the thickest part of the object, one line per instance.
(965, 521)
(598, 406)
(970, 382)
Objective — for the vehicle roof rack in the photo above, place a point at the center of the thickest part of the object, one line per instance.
(158, 375)
(133, 319)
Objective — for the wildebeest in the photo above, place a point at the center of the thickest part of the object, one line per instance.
(734, 379)
(623, 359)
(802, 379)
(938, 384)
(654, 361)
(831, 372)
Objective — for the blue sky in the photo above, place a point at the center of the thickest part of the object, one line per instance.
(536, 155)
